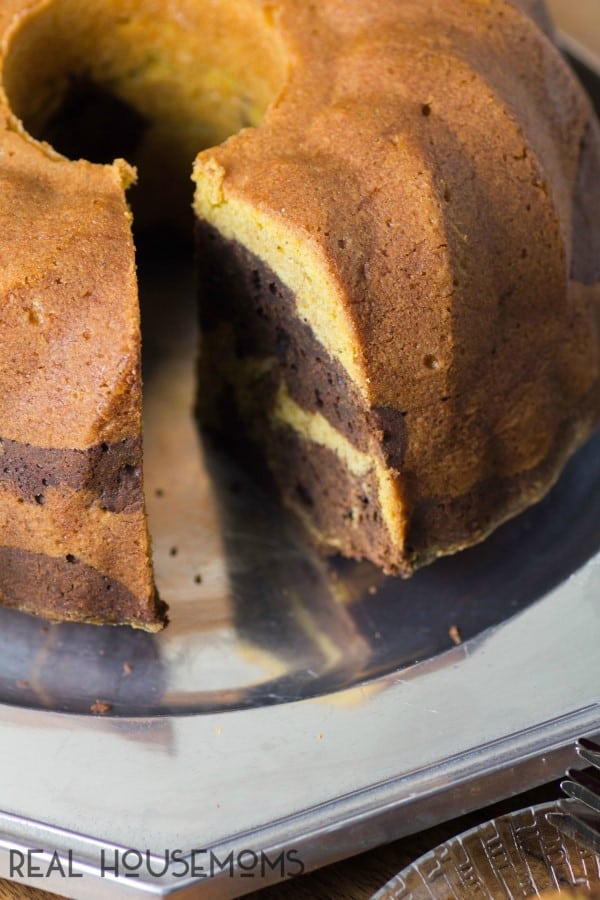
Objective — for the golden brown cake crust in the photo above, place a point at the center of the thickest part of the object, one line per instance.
(367, 155)
(433, 160)
(74, 538)
(440, 162)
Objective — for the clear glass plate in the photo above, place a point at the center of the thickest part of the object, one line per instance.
(516, 856)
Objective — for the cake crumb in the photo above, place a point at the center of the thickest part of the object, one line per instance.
(101, 652)
(198, 579)
(455, 634)
(321, 735)
(218, 730)
(22, 684)
(127, 668)
(372, 589)
(100, 708)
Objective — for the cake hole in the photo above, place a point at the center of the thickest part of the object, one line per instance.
(148, 87)
(91, 123)
(40, 499)
(431, 362)
(70, 558)
(426, 110)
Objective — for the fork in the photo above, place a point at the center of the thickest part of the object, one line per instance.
(579, 817)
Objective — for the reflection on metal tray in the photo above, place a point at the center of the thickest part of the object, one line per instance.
(292, 702)
(257, 617)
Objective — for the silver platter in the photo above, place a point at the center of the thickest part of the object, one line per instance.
(294, 705)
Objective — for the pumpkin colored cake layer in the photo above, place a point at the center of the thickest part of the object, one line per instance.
(398, 229)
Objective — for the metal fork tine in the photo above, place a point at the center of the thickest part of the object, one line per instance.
(583, 787)
(579, 817)
(587, 778)
(589, 751)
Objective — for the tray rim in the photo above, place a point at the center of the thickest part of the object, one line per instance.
(366, 810)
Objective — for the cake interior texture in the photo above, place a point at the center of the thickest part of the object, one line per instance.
(398, 237)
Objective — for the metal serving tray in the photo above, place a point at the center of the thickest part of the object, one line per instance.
(296, 710)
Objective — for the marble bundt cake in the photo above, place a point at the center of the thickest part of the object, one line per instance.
(400, 256)
(401, 275)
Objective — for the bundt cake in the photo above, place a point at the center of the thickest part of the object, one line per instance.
(398, 224)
